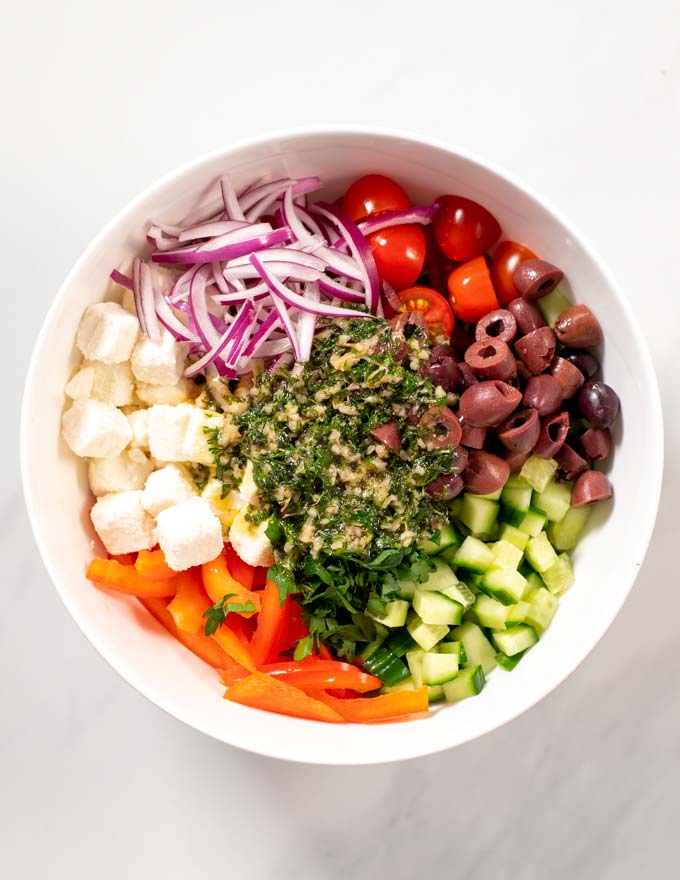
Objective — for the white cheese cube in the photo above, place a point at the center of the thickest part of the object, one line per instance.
(80, 386)
(167, 430)
(139, 422)
(123, 473)
(165, 487)
(248, 488)
(122, 523)
(225, 509)
(107, 333)
(95, 430)
(113, 383)
(196, 446)
(127, 301)
(185, 390)
(159, 363)
(189, 534)
(250, 541)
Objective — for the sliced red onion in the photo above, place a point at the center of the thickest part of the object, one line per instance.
(262, 333)
(282, 311)
(211, 230)
(210, 254)
(121, 279)
(171, 322)
(281, 254)
(247, 314)
(137, 292)
(340, 291)
(232, 207)
(421, 214)
(303, 185)
(307, 323)
(198, 304)
(161, 242)
(219, 279)
(359, 249)
(147, 299)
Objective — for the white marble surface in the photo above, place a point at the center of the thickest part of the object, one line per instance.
(581, 100)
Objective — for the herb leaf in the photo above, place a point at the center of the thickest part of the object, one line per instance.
(283, 579)
(217, 614)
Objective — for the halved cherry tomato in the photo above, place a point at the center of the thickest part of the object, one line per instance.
(371, 195)
(464, 229)
(399, 253)
(471, 291)
(434, 308)
(509, 255)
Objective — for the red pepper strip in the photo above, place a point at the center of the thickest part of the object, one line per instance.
(238, 569)
(218, 582)
(264, 692)
(205, 648)
(260, 580)
(324, 653)
(269, 623)
(293, 628)
(126, 579)
(382, 708)
(313, 674)
(190, 602)
(151, 564)
(231, 674)
(124, 558)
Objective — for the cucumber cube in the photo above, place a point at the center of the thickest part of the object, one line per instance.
(414, 659)
(461, 594)
(478, 649)
(554, 500)
(446, 537)
(508, 663)
(515, 640)
(540, 554)
(435, 693)
(439, 668)
(532, 522)
(479, 514)
(452, 648)
(538, 471)
(506, 555)
(395, 613)
(406, 685)
(552, 305)
(565, 534)
(516, 494)
(490, 613)
(425, 634)
(514, 614)
(542, 608)
(468, 683)
(513, 536)
(436, 608)
(505, 584)
(560, 576)
(473, 555)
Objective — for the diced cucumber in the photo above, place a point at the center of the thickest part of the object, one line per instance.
(478, 649)
(554, 500)
(406, 685)
(532, 523)
(447, 536)
(538, 471)
(542, 608)
(383, 664)
(442, 577)
(508, 663)
(414, 660)
(460, 593)
(564, 535)
(401, 642)
(513, 536)
(436, 608)
(450, 552)
(505, 584)
(439, 668)
(454, 648)
(370, 649)
(435, 693)
(560, 576)
(552, 305)
(534, 582)
(515, 614)
(516, 494)
(479, 514)
(473, 555)
(506, 555)
(515, 640)
(455, 507)
(468, 683)
(540, 553)
(395, 613)
(490, 612)
(427, 635)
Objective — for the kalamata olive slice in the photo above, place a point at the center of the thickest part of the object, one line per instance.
(491, 360)
(536, 278)
(598, 404)
(552, 435)
(445, 487)
(590, 486)
(537, 349)
(571, 464)
(578, 327)
(467, 374)
(443, 351)
(596, 443)
(472, 437)
(400, 322)
(388, 435)
(498, 324)
(569, 376)
(520, 432)
(488, 403)
(444, 372)
(439, 427)
(586, 362)
(485, 472)
(543, 393)
(515, 460)
(526, 314)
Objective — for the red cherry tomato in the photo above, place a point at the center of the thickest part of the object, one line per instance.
(399, 253)
(509, 255)
(433, 307)
(464, 229)
(471, 291)
(371, 195)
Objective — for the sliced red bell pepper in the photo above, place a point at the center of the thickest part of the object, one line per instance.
(124, 558)
(218, 582)
(205, 648)
(238, 569)
(269, 623)
(152, 564)
(232, 673)
(264, 692)
(293, 628)
(125, 578)
(364, 709)
(314, 674)
(190, 602)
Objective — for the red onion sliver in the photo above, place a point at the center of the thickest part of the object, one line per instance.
(136, 290)
(307, 324)
(153, 330)
(193, 256)
(210, 230)
(422, 214)
(121, 279)
(232, 207)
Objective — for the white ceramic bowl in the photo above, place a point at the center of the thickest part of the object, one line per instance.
(606, 561)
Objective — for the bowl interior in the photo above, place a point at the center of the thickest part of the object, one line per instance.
(58, 499)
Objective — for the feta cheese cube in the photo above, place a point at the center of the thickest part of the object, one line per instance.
(185, 390)
(196, 446)
(125, 472)
(95, 430)
(250, 541)
(80, 386)
(139, 422)
(107, 333)
(122, 523)
(165, 487)
(113, 383)
(248, 488)
(189, 534)
(225, 509)
(167, 430)
(127, 301)
(159, 363)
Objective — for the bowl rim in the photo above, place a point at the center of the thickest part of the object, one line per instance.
(656, 440)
